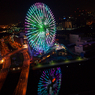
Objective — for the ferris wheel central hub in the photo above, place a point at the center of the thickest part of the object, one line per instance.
(42, 34)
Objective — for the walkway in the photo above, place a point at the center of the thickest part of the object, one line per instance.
(57, 64)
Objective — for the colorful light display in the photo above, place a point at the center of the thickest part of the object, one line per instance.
(50, 82)
(40, 27)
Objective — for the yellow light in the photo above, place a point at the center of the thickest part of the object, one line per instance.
(18, 68)
(67, 60)
(48, 55)
(2, 61)
(25, 46)
(63, 47)
(13, 68)
(39, 65)
(52, 63)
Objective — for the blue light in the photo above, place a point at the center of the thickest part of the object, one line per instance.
(64, 18)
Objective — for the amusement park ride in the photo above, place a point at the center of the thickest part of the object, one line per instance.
(40, 29)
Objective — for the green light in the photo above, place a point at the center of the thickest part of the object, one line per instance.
(67, 61)
(52, 62)
(79, 58)
(41, 26)
(39, 65)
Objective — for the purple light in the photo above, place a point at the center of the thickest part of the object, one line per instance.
(50, 74)
(40, 13)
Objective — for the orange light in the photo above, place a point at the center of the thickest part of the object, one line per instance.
(24, 91)
(53, 79)
(48, 55)
(2, 60)
(47, 34)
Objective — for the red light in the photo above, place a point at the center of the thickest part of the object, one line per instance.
(53, 79)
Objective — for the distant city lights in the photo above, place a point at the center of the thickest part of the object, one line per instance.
(13, 68)
(25, 46)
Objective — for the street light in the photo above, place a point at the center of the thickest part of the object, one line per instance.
(1, 61)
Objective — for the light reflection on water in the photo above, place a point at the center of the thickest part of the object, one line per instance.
(75, 79)
(50, 81)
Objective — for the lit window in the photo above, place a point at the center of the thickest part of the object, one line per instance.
(13, 68)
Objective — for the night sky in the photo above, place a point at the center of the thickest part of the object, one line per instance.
(12, 11)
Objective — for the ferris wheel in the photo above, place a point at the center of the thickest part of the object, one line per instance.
(40, 27)
(50, 82)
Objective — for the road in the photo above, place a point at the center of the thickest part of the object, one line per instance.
(22, 83)
(10, 83)
(6, 66)
(4, 71)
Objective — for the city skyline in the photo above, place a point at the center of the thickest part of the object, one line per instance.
(15, 11)
(43, 55)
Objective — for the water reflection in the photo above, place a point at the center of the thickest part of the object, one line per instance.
(50, 81)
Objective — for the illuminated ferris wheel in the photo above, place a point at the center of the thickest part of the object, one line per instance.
(50, 82)
(40, 27)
